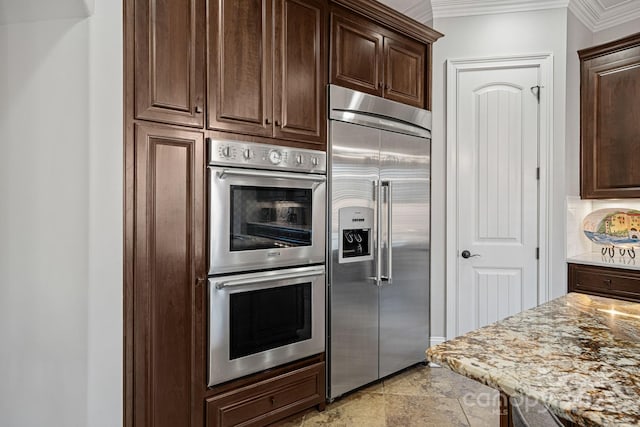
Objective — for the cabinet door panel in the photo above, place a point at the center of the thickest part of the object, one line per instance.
(610, 120)
(169, 61)
(300, 71)
(169, 255)
(240, 80)
(404, 71)
(356, 55)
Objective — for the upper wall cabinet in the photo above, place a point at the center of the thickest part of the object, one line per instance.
(267, 68)
(610, 119)
(371, 59)
(377, 50)
(169, 65)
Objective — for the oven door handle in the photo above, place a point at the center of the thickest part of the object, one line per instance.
(269, 174)
(262, 279)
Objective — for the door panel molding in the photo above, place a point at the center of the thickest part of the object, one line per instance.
(544, 64)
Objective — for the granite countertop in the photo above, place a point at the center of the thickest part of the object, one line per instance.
(578, 354)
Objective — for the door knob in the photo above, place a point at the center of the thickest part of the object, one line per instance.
(466, 254)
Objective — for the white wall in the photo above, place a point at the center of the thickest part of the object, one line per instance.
(491, 36)
(578, 37)
(105, 311)
(616, 32)
(60, 221)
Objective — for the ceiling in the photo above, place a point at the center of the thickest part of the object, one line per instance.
(595, 14)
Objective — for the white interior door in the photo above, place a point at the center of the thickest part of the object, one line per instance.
(497, 128)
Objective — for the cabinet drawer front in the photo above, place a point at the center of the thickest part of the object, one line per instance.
(268, 401)
(605, 281)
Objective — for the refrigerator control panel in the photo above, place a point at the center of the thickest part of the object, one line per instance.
(355, 242)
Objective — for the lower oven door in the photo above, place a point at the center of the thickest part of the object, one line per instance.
(261, 320)
(265, 219)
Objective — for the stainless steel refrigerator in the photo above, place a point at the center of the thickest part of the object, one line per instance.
(379, 243)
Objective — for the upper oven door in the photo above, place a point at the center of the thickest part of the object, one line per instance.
(265, 219)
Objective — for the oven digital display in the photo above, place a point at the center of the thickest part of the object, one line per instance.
(264, 319)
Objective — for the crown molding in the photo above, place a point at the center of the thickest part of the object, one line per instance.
(454, 8)
(421, 11)
(597, 17)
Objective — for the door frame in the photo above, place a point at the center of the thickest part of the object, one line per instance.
(455, 67)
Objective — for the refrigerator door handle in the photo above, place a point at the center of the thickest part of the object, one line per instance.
(388, 278)
(377, 197)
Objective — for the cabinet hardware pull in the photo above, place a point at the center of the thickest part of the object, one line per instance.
(277, 122)
(380, 85)
(198, 109)
(267, 121)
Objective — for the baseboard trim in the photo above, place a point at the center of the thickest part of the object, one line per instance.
(436, 340)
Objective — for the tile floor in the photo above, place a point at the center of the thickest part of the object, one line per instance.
(420, 396)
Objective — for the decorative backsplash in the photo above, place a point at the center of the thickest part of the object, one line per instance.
(614, 228)
(603, 226)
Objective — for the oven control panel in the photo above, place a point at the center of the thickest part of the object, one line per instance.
(355, 239)
(265, 156)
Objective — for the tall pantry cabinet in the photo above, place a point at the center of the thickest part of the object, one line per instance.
(261, 76)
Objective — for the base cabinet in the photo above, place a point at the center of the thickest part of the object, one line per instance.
(269, 400)
(605, 281)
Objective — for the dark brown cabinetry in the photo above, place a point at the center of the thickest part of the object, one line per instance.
(371, 59)
(268, 400)
(166, 301)
(267, 71)
(605, 281)
(169, 69)
(610, 119)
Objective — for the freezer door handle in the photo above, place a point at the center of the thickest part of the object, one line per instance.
(377, 197)
(387, 193)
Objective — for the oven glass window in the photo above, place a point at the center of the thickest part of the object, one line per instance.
(269, 217)
(269, 318)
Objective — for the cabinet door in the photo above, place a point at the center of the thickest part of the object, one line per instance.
(169, 61)
(356, 54)
(299, 95)
(167, 295)
(404, 71)
(610, 124)
(240, 56)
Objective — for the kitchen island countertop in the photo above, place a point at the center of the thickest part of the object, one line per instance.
(578, 354)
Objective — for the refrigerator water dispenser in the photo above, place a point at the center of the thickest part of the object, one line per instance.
(355, 238)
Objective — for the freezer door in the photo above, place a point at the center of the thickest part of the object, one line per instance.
(353, 340)
(405, 165)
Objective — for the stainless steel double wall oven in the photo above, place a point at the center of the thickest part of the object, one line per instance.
(267, 224)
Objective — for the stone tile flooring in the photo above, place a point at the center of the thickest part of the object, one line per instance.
(420, 396)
